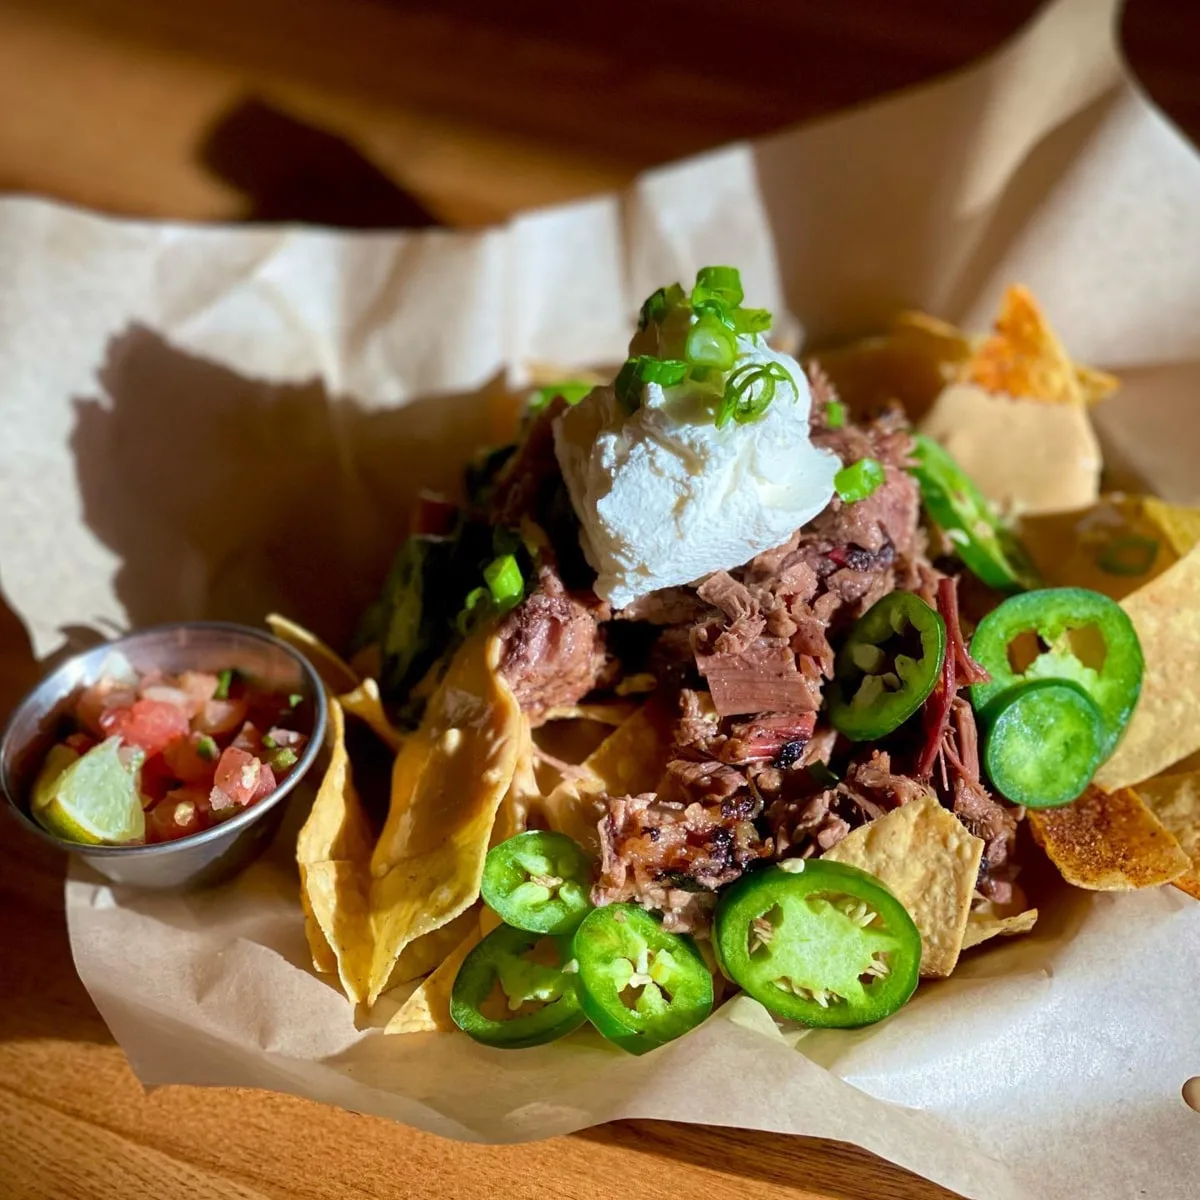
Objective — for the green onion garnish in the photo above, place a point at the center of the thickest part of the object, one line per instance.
(658, 305)
(206, 747)
(749, 390)
(644, 369)
(835, 415)
(477, 598)
(505, 584)
(224, 680)
(269, 742)
(859, 480)
(1130, 555)
(722, 284)
(751, 320)
(283, 758)
(294, 699)
(710, 344)
(572, 392)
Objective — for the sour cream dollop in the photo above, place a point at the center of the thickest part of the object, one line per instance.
(665, 498)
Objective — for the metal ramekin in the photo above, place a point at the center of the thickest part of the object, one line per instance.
(202, 858)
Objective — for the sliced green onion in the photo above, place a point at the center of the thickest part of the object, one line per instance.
(224, 680)
(477, 599)
(835, 415)
(1130, 555)
(723, 284)
(294, 699)
(504, 580)
(572, 392)
(750, 390)
(269, 742)
(659, 304)
(206, 747)
(283, 758)
(644, 369)
(751, 320)
(859, 480)
(710, 344)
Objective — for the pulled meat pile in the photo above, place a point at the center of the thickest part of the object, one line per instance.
(741, 661)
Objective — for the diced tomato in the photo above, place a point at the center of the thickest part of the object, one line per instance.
(238, 776)
(249, 739)
(266, 783)
(220, 716)
(99, 699)
(150, 724)
(178, 813)
(200, 687)
(185, 759)
(157, 779)
(81, 743)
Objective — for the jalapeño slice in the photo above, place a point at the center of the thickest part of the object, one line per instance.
(987, 549)
(511, 991)
(818, 942)
(537, 881)
(1043, 744)
(1047, 625)
(640, 984)
(886, 667)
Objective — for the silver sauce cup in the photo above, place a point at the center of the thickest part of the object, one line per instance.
(200, 859)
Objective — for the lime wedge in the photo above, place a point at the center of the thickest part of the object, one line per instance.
(93, 800)
(57, 761)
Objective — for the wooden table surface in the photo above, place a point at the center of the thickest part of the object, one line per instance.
(374, 114)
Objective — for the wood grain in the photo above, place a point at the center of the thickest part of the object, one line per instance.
(365, 113)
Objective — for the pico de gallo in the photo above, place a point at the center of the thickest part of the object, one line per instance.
(152, 757)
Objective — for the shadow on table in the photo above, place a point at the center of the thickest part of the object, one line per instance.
(833, 1169)
(289, 170)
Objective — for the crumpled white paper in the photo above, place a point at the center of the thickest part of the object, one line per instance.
(216, 421)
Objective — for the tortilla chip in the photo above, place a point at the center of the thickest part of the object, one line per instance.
(1179, 525)
(1166, 723)
(1108, 842)
(427, 953)
(365, 703)
(324, 960)
(925, 855)
(333, 670)
(1113, 546)
(911, 364)
(1024, 357)
(614, 712)
(427, 1010)
(1175, 801)
(447, 785)
(336, 893)
(1095, 385)
(489, 920)
(1025, 457)
(523, 793)
(984, 924)
(337, 825)
(629, 761)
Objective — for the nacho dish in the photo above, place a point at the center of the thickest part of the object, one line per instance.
(749, 672)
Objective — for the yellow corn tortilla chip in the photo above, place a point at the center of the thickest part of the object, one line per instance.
(613, 712)
(336, 892)
(337, 826)
(365, 703)
(1024, 456)
(1179, 525)
(332, 668)
(1024, 357)
(447, 785)
(1108, 842)
(1166, 723)
(427, 953)
(427, 1010)
(324, 960)
(1095, 385)
(1175, 801)
(523, 792)
(929, 860)
(489, 920)
(910, 363)
(1114, 546)
(984, 924)
(629, 761)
